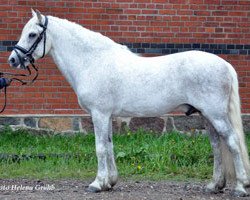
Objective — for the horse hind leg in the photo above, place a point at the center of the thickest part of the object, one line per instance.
(113, 173)
(219, 180)
(224, 128)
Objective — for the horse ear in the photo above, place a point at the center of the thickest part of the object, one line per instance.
(33, 12)
(39, 16)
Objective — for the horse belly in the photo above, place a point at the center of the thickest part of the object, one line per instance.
(147, 105)
(148, 90)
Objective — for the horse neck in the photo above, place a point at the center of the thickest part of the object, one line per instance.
(74, 48)
(72, 37)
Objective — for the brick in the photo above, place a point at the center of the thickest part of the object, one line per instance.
(167, 12)
(211, 24)
(59, 9)
(132, 11)
(202, 13)
(214, 2)
(229, 2)
(220, 13)
(210, 30)
(185, 12)
(114, 11)
(149, 12)
(196, 1)
(77, 10)
(238, 14)
(246, 2)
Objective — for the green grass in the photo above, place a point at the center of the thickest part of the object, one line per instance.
(140, 155)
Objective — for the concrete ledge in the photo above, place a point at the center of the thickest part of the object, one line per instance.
(83, 123)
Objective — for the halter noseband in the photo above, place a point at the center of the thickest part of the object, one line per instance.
(28, 53)
(5, 82)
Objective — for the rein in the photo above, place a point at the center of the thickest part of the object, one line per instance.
(5, 82)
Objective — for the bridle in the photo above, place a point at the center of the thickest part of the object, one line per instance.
(5, 82)
(28, 53)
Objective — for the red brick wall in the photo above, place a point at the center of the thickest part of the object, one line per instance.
(134, 22)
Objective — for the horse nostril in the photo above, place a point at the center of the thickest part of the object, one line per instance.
(12, 60)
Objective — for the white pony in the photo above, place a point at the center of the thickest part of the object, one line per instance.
(111, 81)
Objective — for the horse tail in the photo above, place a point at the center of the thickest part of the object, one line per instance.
(236, 122)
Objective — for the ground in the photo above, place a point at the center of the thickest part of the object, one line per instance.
(124, 190)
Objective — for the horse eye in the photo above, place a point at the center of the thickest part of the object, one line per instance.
(32, 35)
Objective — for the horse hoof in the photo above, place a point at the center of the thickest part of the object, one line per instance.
(239, 193)
(92, 189)
(210, 190)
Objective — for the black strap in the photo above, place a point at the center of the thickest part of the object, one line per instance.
(21, 49)
(44, 33)
(44, 44)
(5, 99)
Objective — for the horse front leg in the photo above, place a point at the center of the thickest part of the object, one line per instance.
(106, 173)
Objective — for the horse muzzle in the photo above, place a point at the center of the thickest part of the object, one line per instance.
(19, 62)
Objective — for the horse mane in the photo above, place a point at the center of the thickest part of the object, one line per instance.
(89, 38)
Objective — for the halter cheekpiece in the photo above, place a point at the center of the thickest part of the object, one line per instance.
(5, 82)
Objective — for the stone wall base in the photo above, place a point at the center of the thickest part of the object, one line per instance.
(83, 123)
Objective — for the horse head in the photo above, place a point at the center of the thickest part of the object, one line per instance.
(34, 43)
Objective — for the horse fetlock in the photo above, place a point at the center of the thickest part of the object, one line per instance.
(243, 181)
(239, 191)
(112, 174)
(214, 187)
(247, 183)
(113, 180)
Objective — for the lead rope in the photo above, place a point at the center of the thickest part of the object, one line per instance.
(5, 82)
(5, 99)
